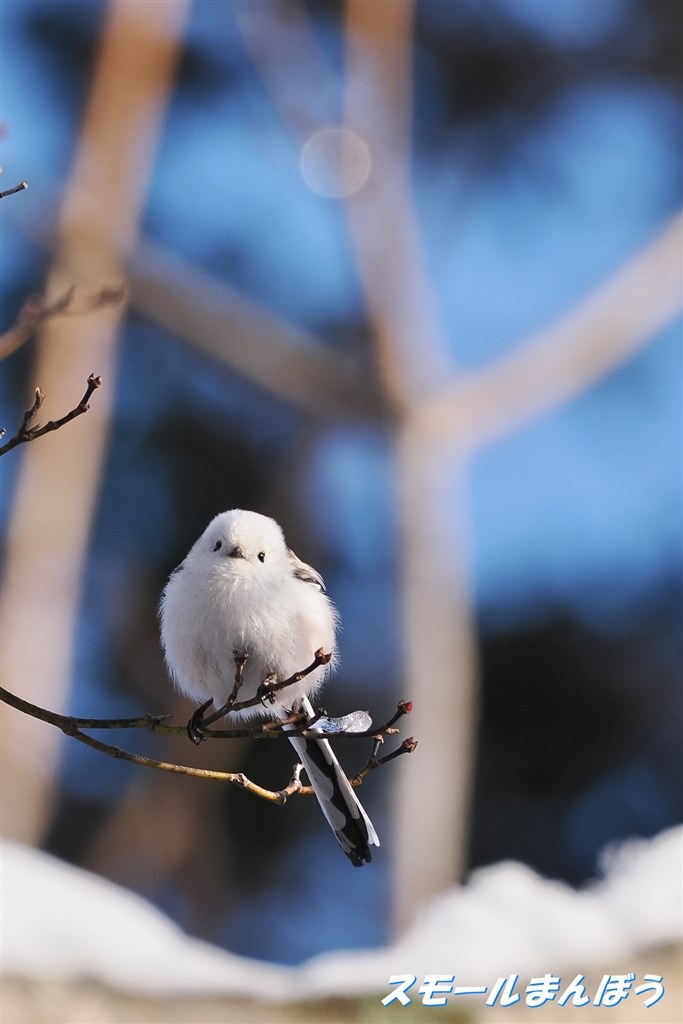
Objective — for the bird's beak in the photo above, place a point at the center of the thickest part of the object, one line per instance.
(236, 553)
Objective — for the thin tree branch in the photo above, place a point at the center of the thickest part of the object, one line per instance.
(28, 433)
(278, 728)
(272, 729)
(200, 721)
(267, 690)
(407, 747)
(17, 188)
(69, 728)
(73, 727)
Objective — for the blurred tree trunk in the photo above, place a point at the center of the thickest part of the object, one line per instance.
(432, 792)
(442, 417)
(59, 477)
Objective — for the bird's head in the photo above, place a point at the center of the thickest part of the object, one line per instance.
(243, 543)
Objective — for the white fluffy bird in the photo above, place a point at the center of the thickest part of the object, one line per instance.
(241, 592)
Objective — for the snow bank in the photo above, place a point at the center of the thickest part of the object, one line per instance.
(507, 919)
(61, 922)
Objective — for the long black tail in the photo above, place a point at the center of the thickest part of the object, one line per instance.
(354, 831)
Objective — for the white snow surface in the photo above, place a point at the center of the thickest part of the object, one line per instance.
(59, 921)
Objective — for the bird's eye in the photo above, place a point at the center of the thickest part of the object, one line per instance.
(261, 556)
(218, 545)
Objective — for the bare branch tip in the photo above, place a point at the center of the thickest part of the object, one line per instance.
(12, 191)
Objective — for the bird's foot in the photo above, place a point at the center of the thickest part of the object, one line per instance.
(196, 726)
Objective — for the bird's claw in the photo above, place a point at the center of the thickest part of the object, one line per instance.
(195, 726)
(264, 691)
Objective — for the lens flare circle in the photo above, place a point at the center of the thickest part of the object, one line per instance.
(335, 162)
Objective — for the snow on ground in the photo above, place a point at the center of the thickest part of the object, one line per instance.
(507, 919)
(61, 922)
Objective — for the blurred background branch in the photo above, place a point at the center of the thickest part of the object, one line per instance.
(626, 312)
(431, 806)
(225, 326)
(35, 310)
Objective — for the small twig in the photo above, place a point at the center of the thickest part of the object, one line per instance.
(197, 727)
(294, 785)
(28, 433)
(407, 747)
(267, 691)
(198, 724)
(373, 762)
(404, 707)
(240, 664)
(17, 188)
(38, 400)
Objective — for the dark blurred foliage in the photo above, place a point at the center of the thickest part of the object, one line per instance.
(482, 72)
(78, 27)
(514, 72)
(580, 736)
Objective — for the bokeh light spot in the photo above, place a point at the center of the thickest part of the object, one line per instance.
(335, 162)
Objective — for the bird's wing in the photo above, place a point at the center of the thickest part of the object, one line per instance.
(304, 572)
